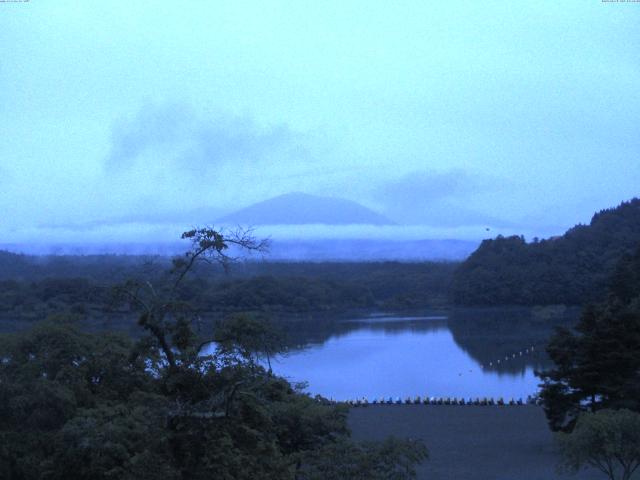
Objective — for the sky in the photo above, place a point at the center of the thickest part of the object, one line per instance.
(124, 121)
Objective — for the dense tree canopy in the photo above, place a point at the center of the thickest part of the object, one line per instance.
(572, 269)
(102, 406)
(598, 365)
(84, 285)
(608, 440)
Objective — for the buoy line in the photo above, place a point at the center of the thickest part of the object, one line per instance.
(513, 356)
(418, 400)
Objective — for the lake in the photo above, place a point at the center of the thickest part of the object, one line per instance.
(466, 353)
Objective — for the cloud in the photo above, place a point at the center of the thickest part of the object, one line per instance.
(439, 198)
(448, 215)
(425, 187)
(152, 127)
(168, 158)
(173, 135)
(185, 217)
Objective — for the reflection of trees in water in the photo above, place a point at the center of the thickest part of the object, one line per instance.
(491, 334)
(486, 334)
(399, 325)
(317, 329)
(300, 330)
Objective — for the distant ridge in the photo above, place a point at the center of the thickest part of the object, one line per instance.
(571, 269)
(303, 209)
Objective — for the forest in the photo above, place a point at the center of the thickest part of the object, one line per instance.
(32, 288)
(104, 376)
(96, 406)
(572, 269)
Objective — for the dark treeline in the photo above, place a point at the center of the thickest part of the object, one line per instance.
(318, 286)
(572, 269)
(33, 287)
(109, 268)
(591, 395)
(597, 364)
(157, 406)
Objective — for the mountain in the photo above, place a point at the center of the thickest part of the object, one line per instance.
(302, 208)
(572, 269)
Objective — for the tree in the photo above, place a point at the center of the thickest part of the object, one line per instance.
(48, 376)
(598, 365)
(608, 440)
(163, 312)
(571, 269)
(100, 406)
(249, 337)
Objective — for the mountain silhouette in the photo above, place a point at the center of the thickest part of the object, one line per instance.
(301, 208)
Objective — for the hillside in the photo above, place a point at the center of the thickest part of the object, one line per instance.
(301, 208)
(571, 269)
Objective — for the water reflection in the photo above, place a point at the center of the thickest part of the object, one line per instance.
(433, 354)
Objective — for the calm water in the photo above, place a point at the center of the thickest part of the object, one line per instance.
(434, 355)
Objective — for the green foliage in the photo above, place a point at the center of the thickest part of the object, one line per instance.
(597, 366)
(276, 288)
(287, 294)
(47, 376)
(75, 407)
(101, 406)
(608, 440)
(572, 269)
(249, 337)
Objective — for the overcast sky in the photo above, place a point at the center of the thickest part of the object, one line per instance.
(445, 116)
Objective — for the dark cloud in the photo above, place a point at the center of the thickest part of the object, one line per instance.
(152, 127)
(176, 136)
(240, 140)
(425, 187)
(448, 215)
(194, 216)
(438, 198)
